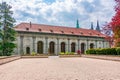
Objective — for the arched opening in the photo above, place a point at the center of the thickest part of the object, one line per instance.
(82, 48)
(40, 47)
(91, 45)
(73, 47)
(63, 47)
(51, 47)
(27, 50)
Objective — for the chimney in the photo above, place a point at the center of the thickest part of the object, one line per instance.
(30, 25)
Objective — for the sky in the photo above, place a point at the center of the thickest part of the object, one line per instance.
(63, 12)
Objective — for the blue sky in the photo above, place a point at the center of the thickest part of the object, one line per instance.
(63, 12)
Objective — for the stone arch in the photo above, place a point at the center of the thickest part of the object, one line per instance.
(52, 47)
(40, 47)
(73, 47)
(27, 50)
(82, 48)
(91, 45)
(62, 46)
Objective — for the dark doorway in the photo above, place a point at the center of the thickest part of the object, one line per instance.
(40, 47)
(28, 50)
(52, 46)
(62, 47)
(82, 48)
(91, 45)
(73, 47)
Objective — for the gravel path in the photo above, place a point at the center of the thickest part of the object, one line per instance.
(60, 69)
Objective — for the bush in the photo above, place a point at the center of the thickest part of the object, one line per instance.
(72, 53)
(91, 51)
(33, 53)
(104, 51)
(118, 50)
(66, 53)
(62, 53)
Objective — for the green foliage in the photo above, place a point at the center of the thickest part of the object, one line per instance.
(62, 53)
(118, 50)
(67, 53)
(99, 51)
(33, 53)
(104, 51)
(91, 51)
(72, 53)
(7, 33)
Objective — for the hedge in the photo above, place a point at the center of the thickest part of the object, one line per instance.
(104, 51)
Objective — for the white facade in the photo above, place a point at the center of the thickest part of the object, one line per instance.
(27, 42)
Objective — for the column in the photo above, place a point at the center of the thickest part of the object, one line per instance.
(78, 44)
(96, 43)
(57, 46)
(68, 45)
(87, 44)
(46, 41)
(33, 38)
(103, 44)
(21, 45)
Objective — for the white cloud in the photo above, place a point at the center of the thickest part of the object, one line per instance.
(63, 12)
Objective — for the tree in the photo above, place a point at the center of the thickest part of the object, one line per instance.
(107, 30)
(114, 25)
(7, 33)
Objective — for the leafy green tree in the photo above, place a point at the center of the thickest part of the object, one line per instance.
(7, 33)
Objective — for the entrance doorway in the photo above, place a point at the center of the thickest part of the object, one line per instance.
(27, 50)
(40, 47)
(91, 45)
(63, 47)
(73, 47)
(51, 47)
(82, 48)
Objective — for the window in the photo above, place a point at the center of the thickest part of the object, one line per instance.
(81, 32)
(27, 28)
(39, 30)
(51, 31)
(62, 31)
(90, 33)
(72, 32)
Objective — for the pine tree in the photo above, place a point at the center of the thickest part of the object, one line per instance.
(7, 33)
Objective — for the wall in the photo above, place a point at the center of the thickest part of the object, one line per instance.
(30, 40)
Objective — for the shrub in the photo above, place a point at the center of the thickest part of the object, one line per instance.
(99, 51)
(91, 51)
(104, 51)
(62, 53)
(72, 53)
(33, 53)
(66, 53)
(118, 50)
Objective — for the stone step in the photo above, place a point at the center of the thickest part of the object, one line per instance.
(53, 56)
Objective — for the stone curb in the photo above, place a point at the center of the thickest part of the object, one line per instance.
(103, 57)
(4, 60)
(34, 57)
(69, 56)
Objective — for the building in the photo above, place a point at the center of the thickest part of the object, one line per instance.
(44, 39)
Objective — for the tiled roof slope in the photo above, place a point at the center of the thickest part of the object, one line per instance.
(57, 29)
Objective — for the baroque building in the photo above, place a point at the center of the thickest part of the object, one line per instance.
(44, 39)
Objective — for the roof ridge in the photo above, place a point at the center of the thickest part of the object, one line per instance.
(57, 29)
(55, 26)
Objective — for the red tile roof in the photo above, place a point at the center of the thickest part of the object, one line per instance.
(57, 29)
